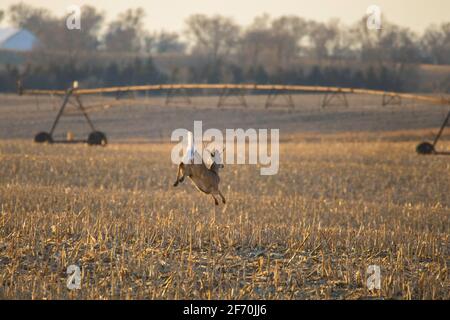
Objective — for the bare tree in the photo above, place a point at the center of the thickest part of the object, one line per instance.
(88, 37)
(391, 48)
(255, 41)
(37, 20)
(436, 43)
(52, 31)
(126, 32)
(76, 41)
(288, 33)
(148, 42)
(169, 42)
(389, 44)
(321, 37)
(273, 42)
(214, 36)
(343, 45)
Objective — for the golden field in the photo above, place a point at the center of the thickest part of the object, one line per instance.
(336, 206)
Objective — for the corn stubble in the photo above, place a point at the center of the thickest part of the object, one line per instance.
(309, 232)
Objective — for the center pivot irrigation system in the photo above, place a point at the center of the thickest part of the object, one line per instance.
(227, 91)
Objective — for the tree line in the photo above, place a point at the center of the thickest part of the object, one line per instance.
(286, 49)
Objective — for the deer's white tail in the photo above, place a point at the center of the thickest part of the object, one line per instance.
(190, 150)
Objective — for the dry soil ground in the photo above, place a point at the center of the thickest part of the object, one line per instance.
(350, 193)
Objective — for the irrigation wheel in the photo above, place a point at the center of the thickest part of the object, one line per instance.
(97, 138)
(42, 137)
(425, 148)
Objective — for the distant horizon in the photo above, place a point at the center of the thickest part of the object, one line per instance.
(171, 15)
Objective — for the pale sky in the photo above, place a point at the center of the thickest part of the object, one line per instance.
(170, 14)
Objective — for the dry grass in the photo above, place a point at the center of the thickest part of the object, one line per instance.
(309, 232)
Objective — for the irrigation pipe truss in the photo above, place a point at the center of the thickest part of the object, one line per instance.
(268, 87)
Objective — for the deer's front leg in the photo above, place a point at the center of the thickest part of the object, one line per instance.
(180, 175)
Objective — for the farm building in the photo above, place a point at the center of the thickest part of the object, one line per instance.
(17, 39)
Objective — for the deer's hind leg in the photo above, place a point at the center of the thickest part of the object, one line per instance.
(215, 200)
(180, 174)
(221, 195)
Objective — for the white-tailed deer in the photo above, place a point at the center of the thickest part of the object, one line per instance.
(205, 179)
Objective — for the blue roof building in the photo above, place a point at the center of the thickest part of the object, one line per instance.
(17, 39)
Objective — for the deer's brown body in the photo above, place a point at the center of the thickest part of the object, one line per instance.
(205, 179)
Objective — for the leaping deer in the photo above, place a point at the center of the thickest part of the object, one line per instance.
(205, 179)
